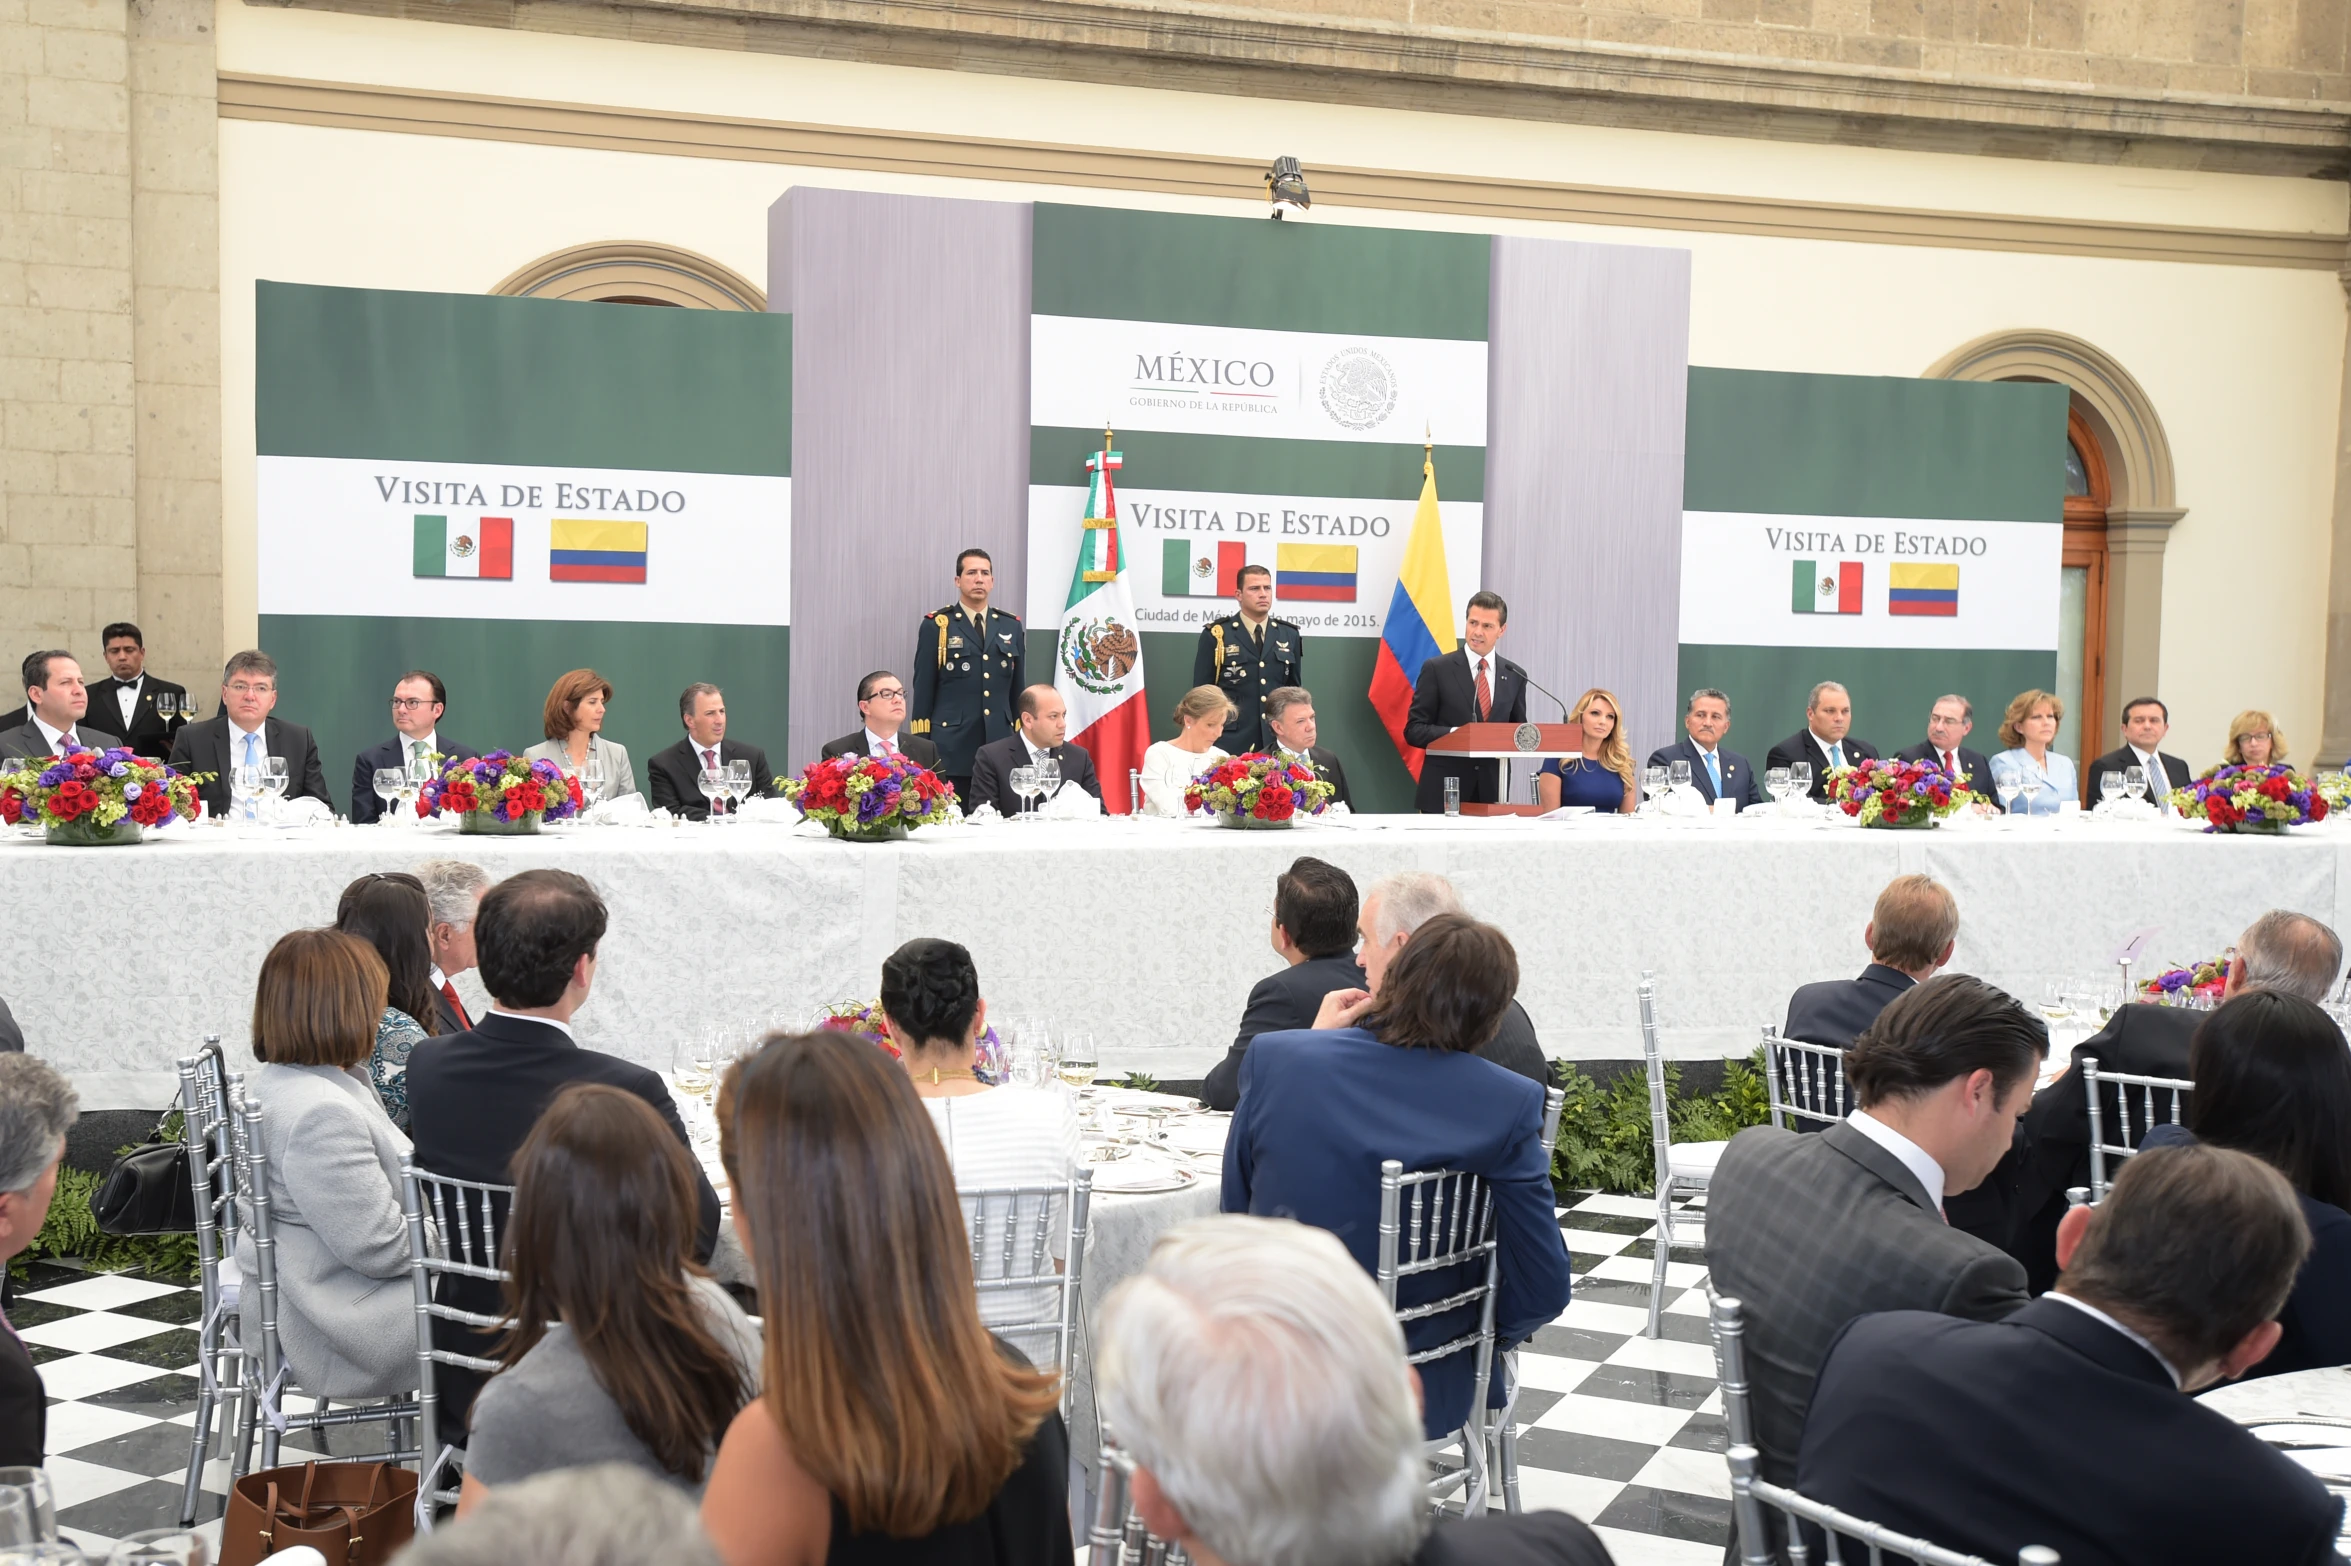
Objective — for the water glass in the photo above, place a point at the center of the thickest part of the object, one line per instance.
(20, 1521)
(713, 784)
(34, 1482)
(1653, 781)
(390, 784)
(2109, 787)
(1048, 777)
(245, 791)
(592, 777)
(161, 1547)
(1800, 777)
(47, 1553)
(1677, 773)
(740, 783)
(2134, 782)
(1453, 796)
(1024, 784)
(1778, 784)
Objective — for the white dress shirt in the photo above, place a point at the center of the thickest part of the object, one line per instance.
(408, 743)
(127, 697)
(875, 745)
(237, 744)
(500, 1011)
(1914, 1158)
(53, 736)
(1833, 749)
(2088, 1309)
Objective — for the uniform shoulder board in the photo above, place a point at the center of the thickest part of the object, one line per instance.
(1216, 630)
(1275, 619)
(940, 620)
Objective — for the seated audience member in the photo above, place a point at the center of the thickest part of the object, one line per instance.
(37, 1108)
(2273, 1079)
(2071, 1423)
(898, 1431)
(1044, 723)
(2144, 723)
(1289, 713)
(1811, 1231)
(1603, 776)
(1395, 907)
(2029, 730)
(1717, 773)
(573, 721)
(994, 1136)
(57, 704)
(881, 710)
(677, 771)
(1949, 722)
(243, 734)
(1397, 1078)
(126, 701)
(1910, 935)
(390, 912)
(2288, 952)
(1257, 1379)
(455, 889)
(11, 1041)
(607, 1515)
(345, 1313)
(2255, 740)
(474, 1096)
(623, 1351)
(1314, 913)
(418, 701)
(1826, 742)
(1169, 765)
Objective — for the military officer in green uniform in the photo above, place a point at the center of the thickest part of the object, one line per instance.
(967, 660)
(1249, 655)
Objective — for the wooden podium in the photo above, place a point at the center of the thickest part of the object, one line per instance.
(1502, 742)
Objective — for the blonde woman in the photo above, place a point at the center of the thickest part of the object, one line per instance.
(1603, 777)
(2255, 740)
(2029, 730)
(1170, 764)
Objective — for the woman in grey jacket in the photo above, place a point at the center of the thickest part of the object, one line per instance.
(345, 1308)
(574, 723)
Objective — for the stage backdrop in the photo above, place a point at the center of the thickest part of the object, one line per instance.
(1900, 537)
(1270, 386)
(499, 490)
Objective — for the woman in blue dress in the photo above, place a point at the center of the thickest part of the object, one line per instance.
(1603, 777)
(2030, 732)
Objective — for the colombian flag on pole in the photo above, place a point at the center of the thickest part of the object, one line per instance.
(1420, 618)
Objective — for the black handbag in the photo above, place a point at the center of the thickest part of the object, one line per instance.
(149, 1189)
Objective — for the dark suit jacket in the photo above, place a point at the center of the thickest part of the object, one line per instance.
(392, 754)
(675, 771)
(1525, 1539)
(472, 1098)
(1835, 1011)
(1975, 768)
(1281, 1002)
(1444, 697)
(1326, 766)
(2121, 759)
(204, 747)
(146, 733)
(451, 1022)
(991, 773)
(1812, 1231)
(2048, 1428)
(1319, 1111)
(914, 747)
(1801, 746)
(28, 741)
(1740, 780)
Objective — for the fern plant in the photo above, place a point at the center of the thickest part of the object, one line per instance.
(71, 1233)
(1605, 1141)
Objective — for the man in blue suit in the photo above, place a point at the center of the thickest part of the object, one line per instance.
(1396, 1078)
(1719, 773)
(418, 700)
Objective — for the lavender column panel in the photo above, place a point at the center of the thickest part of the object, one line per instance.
(910, 424)
(1588, 374)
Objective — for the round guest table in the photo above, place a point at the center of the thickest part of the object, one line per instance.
(2306, 1414)
(1147, 933)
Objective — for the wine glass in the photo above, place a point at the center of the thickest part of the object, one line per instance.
(2006, 784)
(1079, 1063)
(713, 784)
(739, 784)
(18, 1523)
(2109, 787)
(34, 1482)
(2029, 785)
(1652, 785)
(245, 791)
(1677, 774)
(390, 784)
(1024, 784)
(158, 1546)
(1800, 778)
(2134, 782)
(1048, 777)
(592, 777)
(1778, 783)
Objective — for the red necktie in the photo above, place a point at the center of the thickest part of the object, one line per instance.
(1951, 762)
(449, 994)
(1485, 693)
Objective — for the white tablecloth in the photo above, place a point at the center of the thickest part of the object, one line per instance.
(1149, 933)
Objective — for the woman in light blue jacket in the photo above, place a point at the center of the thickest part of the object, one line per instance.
(345, 1308)
(2030, 732)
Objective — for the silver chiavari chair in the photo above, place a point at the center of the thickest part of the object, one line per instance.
(1502, 1451)
(2138, 1112)
(271, 1376)
(1012, 1230)
(1442, 1221)
(1805, 1081)
(1682, 1167)
(453, 1232)
(1118, 1537)
(207, 1132)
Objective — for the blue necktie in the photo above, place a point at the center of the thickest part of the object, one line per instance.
(252, 746)
(1714, 772)
(1837, 755)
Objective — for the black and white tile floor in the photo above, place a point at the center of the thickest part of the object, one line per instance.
(1622, 1430)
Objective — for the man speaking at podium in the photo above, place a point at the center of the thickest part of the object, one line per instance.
(1470, 684)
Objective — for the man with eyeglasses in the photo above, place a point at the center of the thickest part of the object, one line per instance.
(243, 734)
(677, 771)
(418, 700)
(881, 703)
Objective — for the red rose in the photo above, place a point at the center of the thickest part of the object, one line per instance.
(525, 797)
(150, 807)
(2318, 807)
(579, 800)
(1191, 800)
(2275, 788)
(2220, 812)
(11, 806)
(1851, 807)
(72, 800)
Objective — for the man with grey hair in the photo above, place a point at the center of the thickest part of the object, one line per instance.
(611, 1514)
(1826, 741)
(453, 888)
(37, 1108)
(243, 734)
(1948, 722)
(1715, 772)
(1257, 1380)
(1396, 906)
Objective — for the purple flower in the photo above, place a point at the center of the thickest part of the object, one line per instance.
(131, 791)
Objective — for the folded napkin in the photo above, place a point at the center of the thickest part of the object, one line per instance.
(1684, 801)
(301, 813)
(1072, 803)
(985, 815)
(774, 812)
(627, 810)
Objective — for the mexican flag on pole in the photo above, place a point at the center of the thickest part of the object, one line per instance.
(1098, 662)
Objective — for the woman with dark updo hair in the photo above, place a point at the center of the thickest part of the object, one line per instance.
(994, 1136)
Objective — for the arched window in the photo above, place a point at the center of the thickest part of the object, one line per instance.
(630, 272)
(2081, 603)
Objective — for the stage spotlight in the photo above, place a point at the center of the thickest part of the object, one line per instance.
(1285, 186)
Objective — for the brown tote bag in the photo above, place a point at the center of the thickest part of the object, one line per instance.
(355, 1514)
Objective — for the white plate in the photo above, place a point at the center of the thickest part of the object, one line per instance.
(1142, 1179)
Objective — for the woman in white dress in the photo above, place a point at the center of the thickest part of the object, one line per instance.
(573, 720)
(1170, 764)
(2030, 731)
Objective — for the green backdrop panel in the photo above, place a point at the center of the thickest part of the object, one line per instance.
(336, 674)
(1893, 690)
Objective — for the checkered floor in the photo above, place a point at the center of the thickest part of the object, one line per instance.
(1623, 1431)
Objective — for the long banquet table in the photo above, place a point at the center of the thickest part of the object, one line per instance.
(1147, 933)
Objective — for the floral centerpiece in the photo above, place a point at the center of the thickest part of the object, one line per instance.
(864, 1019)
(869, 799)
(1897, 793)
(2265, 799)
(501, 793)
(1257, 790)
(2174, 985)
(97, 798)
